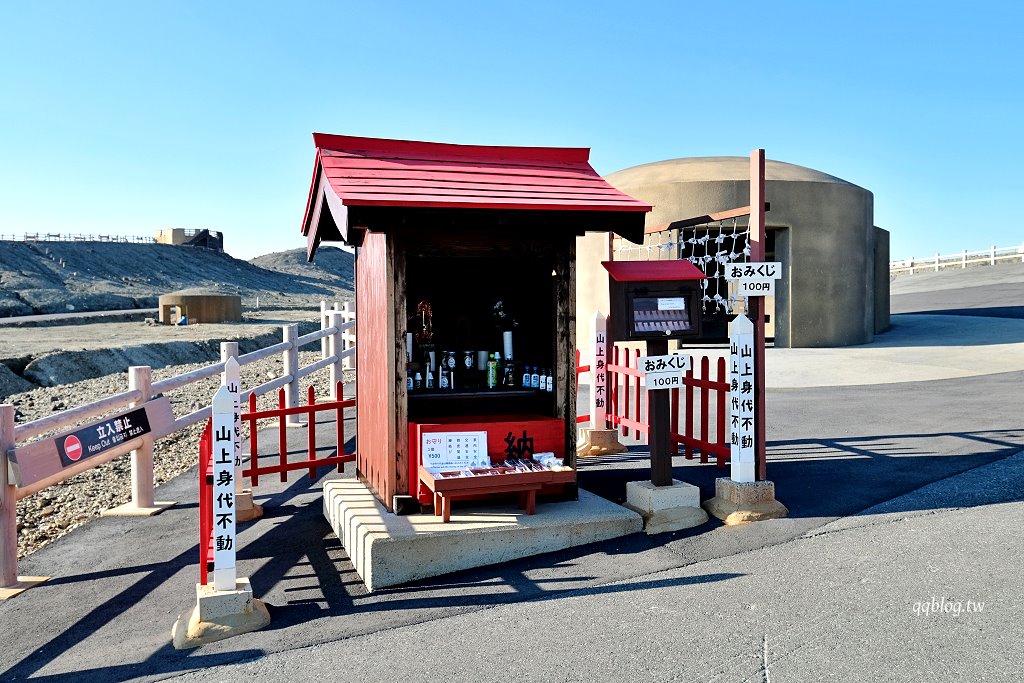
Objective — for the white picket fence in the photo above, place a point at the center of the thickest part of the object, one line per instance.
(985, 257)
(337, 338)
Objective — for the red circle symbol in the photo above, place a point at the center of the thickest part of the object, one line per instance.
(73, 447)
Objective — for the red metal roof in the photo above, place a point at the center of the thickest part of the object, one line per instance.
(372, 172)
(650, 271)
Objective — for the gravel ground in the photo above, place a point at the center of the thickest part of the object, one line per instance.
(51, 513)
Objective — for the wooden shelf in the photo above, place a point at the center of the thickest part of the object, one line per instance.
(437, 394)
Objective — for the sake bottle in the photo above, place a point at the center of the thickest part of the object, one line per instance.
(534, 379)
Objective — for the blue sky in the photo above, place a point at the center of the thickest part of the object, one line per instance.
(123, 118)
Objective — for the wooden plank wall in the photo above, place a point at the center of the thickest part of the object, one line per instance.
(375, 367)
(565, 343)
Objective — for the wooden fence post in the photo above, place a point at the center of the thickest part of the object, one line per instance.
(142, 504)
(324, 324)
(336, 348)
(992, 257)
(140, 378)
(8, 504)
(348, 313)
(290, 357)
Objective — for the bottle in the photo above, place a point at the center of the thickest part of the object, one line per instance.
(509, 379)
(492, 371)
(430, 379)
(408, 376)
(418, 381)
(526, 377)
(446, 377)
(534, 379)
(548, 382)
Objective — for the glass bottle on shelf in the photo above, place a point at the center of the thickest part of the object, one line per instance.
(509, 378)
(526, 377)
(534, 379)
(492, 371)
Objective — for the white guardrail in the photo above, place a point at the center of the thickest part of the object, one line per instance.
(985, 257)
(337, 352)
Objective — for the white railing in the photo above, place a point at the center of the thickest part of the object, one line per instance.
(65, 237)
(985, 257)
(337, 337)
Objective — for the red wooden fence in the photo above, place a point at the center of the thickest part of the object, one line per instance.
(311, 463)
(625, 396)
(282, 466)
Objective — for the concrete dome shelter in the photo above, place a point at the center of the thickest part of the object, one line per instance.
(835, 285)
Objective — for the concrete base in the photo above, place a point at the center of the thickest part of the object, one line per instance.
(22, 585)
(245, 509)
(666, 508)
(219, 615)
(388, 550)
(130, 510)
(599, 442)
(739, 503)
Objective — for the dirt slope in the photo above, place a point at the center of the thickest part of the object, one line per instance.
(99, 276)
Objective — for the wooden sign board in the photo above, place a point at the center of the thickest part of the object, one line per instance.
(66, 454)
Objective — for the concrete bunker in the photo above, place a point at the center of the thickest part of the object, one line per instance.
(200, 307)
(834, 289)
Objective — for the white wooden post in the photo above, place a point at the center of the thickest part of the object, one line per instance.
(324, 344)
(741, 399)
(936, 262)
(336, 348)
(231, 380)
(290, 357)
(963, 259)
(223, 491)
(992, 258)
(140, 378)
(911, 265)
(8, 504)
(598, 373)
(1020, 250)
(348, 338)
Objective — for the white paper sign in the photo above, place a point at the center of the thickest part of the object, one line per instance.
(741, 399)
(223, 490)
(454, 450)
(672, 304)
(767, 270)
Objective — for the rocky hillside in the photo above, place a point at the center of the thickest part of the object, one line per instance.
(56, 277)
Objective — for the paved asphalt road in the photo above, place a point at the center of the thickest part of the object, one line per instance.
(827, 594)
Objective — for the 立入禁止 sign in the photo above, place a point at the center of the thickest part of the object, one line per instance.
(102, 436)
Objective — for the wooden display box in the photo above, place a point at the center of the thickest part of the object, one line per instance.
(504, 432)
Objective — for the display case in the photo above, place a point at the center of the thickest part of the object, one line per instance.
(654, 300)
